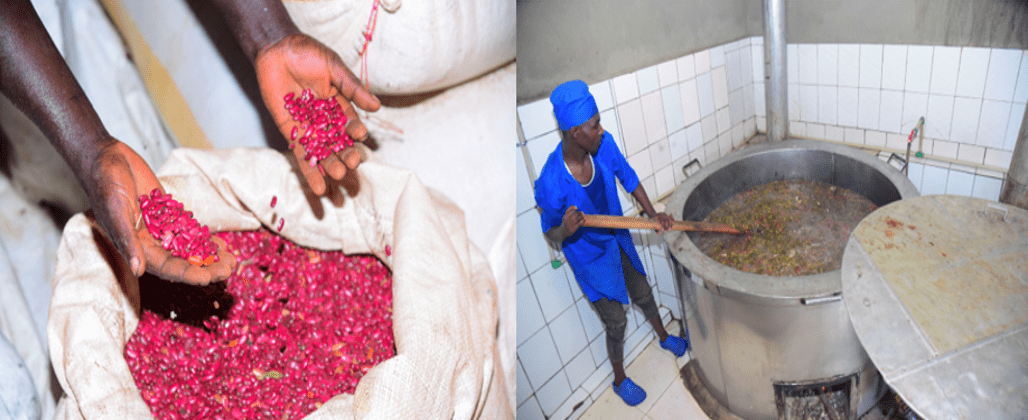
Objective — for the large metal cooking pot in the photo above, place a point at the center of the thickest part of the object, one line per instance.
(760, 340)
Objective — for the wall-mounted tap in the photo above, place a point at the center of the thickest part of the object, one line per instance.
(918, 128)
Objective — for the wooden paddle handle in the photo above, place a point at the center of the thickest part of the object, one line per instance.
(621, 222)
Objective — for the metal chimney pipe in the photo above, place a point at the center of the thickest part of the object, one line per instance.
(775, 93)
(1015, 187)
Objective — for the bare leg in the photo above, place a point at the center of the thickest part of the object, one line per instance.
(619, 371)
(659, 328)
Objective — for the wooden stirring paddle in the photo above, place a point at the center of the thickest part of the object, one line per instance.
(622, 222)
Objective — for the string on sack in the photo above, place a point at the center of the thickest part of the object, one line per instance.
(369, 30)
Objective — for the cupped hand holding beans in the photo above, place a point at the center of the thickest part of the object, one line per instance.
(117, 178)
(297, 63)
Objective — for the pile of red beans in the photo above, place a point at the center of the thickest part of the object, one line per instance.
(176, 229)
(322, 127)
(306, 325)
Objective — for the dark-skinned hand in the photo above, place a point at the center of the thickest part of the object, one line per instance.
(666, 222)
(118, 177)
(299, 62)
(572, 220)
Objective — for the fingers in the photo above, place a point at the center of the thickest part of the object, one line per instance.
(573, 219)
(125, 234)
(352, 158)
(313, 176)
(351, 88)
(161, 263)
(334, 166)
(666, 223)
(221, 269)
(355, 128)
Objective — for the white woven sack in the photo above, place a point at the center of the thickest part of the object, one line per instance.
(417, 46)
(444, 303)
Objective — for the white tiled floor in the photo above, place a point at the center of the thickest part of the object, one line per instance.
(656, 371)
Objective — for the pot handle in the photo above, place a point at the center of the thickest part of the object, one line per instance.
(820, 300)
(691, 163)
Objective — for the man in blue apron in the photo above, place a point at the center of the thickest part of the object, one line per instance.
(578, 178)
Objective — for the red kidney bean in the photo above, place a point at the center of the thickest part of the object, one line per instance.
(284, 348)
(322, 123)
(178, 231)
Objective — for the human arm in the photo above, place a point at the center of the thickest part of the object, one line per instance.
(628, 178)
(644, 201)
(287, 60)
(572, 220)
(38, 81)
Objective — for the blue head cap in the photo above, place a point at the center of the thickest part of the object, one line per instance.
(573, 104)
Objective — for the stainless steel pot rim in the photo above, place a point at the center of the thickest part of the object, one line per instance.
(760, 289)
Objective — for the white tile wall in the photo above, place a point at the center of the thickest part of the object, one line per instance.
(653, 117)
(553, 393)
(870, 66)
(647, 79)
(530, 317)
(869, 103)
(539, 357)
(667, 72)
(965, 119)
(703, 105)
(686, 67)
(568, 334)
(935, 180)
(625, 87)
(945, 62)
(530, 410)
(1003, 66)
(959, 183)
(719, 79)
(1021, 91)
(807, 64)
(702, 62)
(540, 148)
(674, 118)
(986, 187)
(894, 66)
(827, 64)
(827, 102)
(524, 388)
(536, 118)
(915, 106)
(849, 65)
(604, 96)
(993, 123)
(1014, 123)
(706, 94)
(940, 113)
(690, 101)
(891, 112)
(974, 65)
(808, 102)
(553, 291)
(660, 155)
(525, 196)
(679, 143)
(633, 128)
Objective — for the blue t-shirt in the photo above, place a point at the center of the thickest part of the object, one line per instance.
(594, 254)
(595, 188)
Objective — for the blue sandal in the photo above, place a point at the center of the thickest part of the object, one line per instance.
(675, 344)
(631, 393)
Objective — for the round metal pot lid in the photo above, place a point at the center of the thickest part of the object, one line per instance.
(937, 290)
